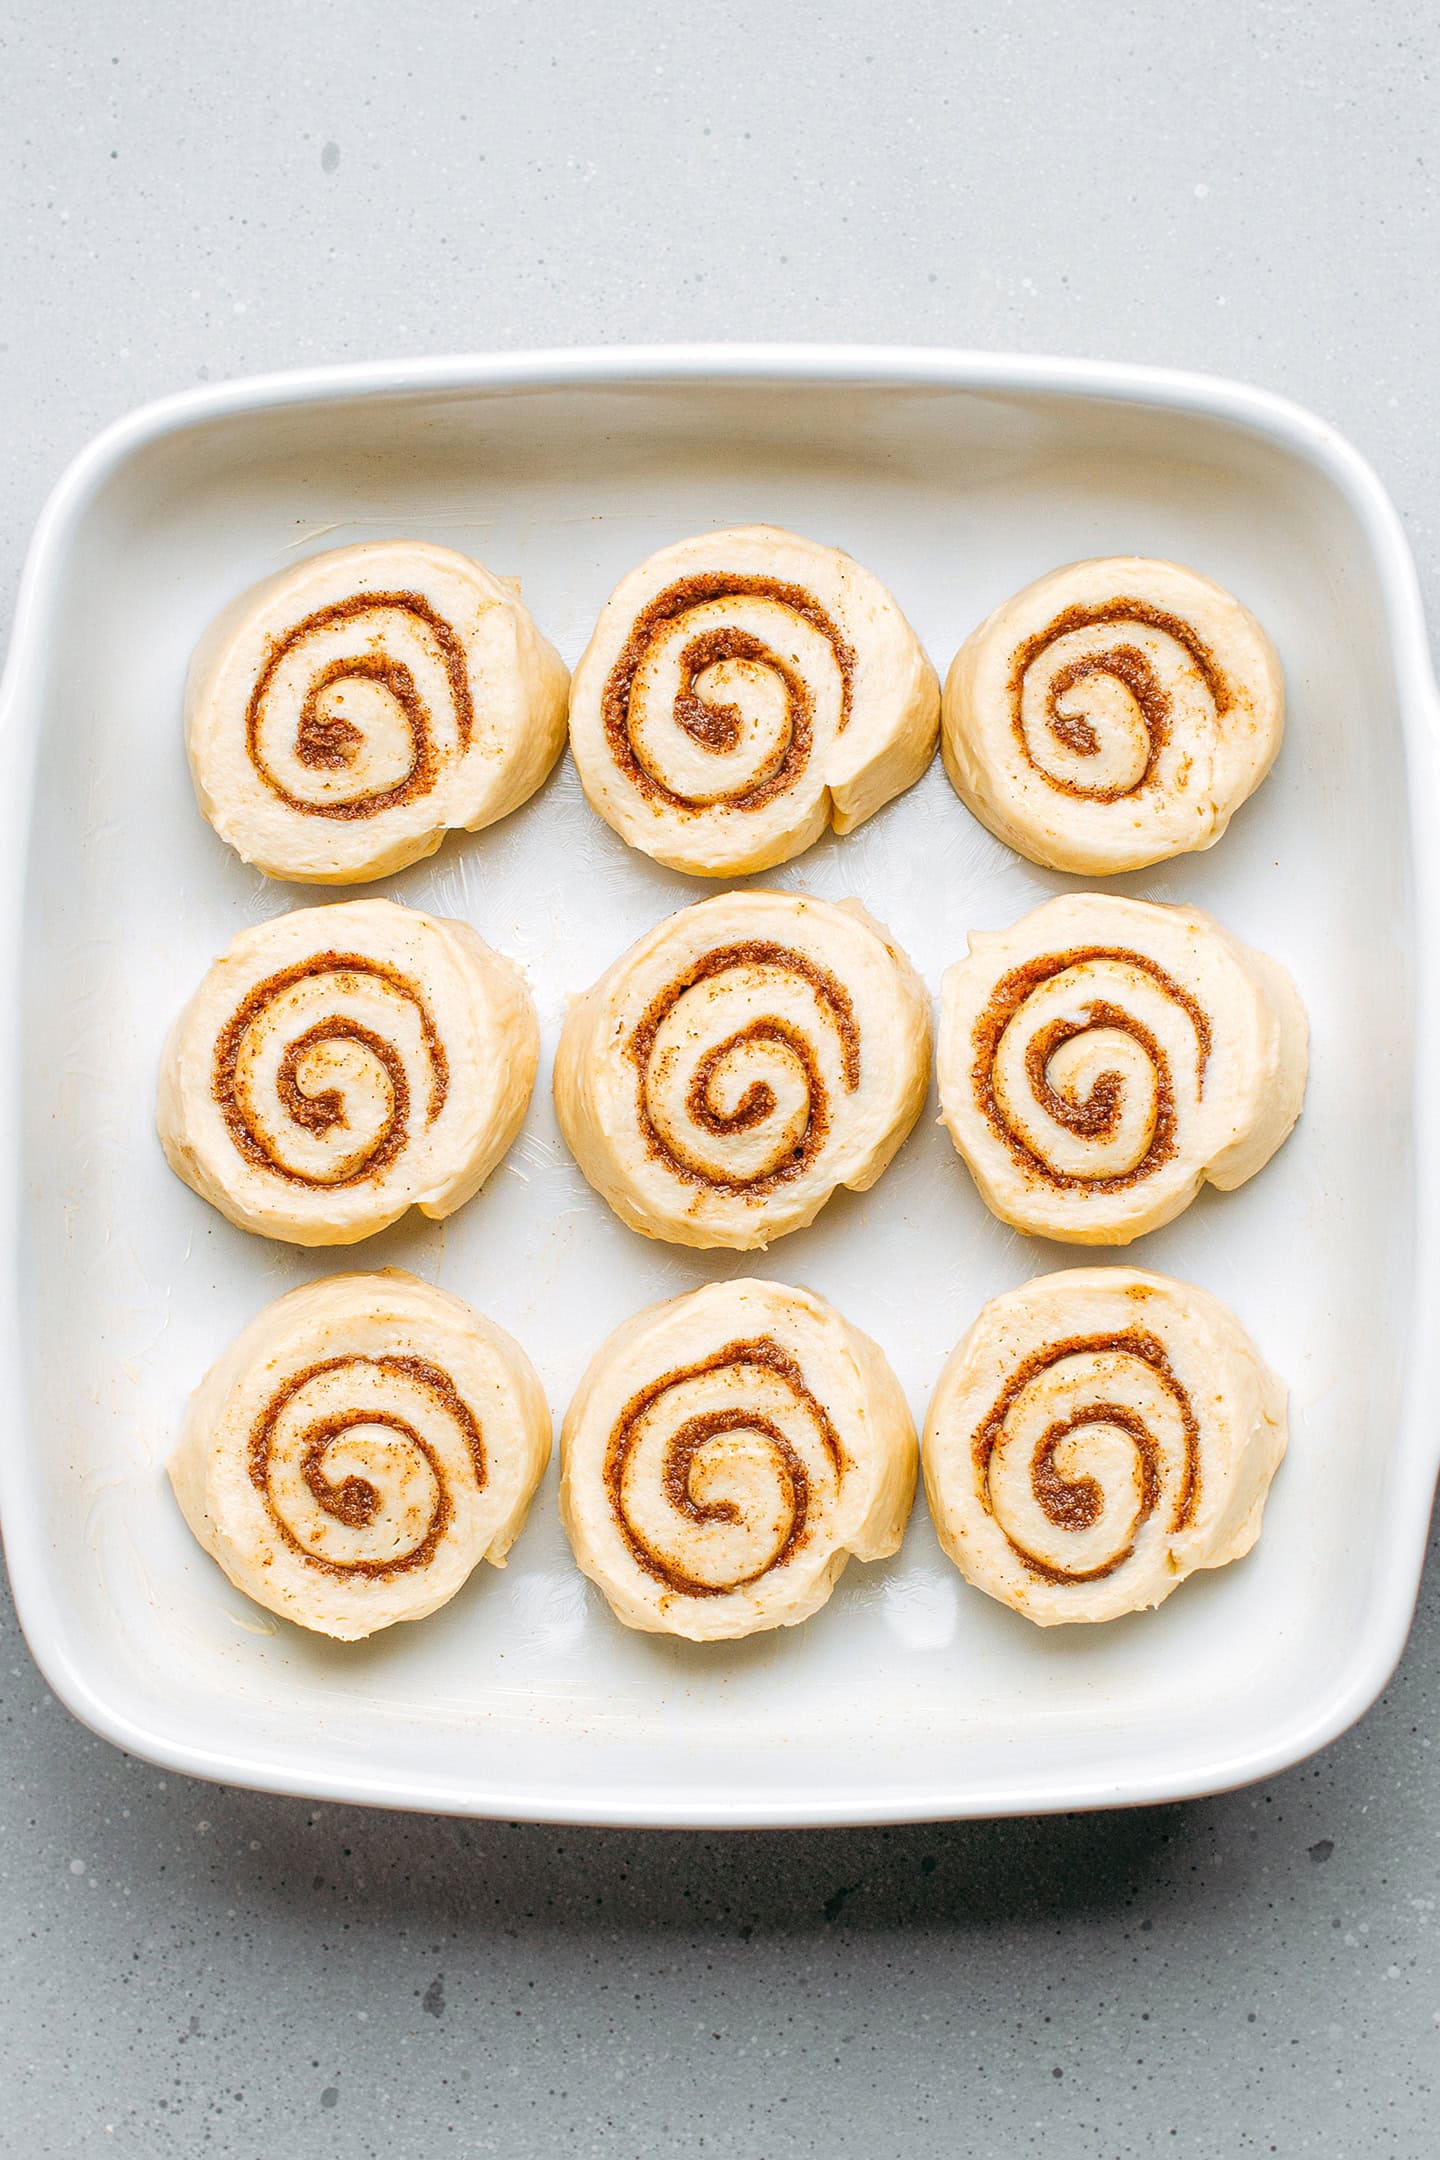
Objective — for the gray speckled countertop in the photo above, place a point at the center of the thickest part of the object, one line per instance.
(1248, 187)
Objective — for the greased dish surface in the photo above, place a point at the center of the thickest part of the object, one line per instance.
(956, 479)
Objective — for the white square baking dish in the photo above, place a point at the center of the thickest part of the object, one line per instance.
(956, 477)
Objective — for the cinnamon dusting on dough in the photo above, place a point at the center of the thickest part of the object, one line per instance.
(1124, 662)
(355, 1501)
(1097, 1116)
(1076, 1504)
(685, 1444)
(758, 1101)
(718, 727)
(325, 740)
(321, 1112)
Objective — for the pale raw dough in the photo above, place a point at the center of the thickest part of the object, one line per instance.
(746, 1058)
(1112, 714)
(742, 691)
(342, 1064)
(724, 1456)
(359, 1449)
(342, 716)
(1103, 1058)
(1097, 1436)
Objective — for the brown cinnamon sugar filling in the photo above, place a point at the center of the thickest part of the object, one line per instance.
(758, 1101)
(717, 727)
(320, 1113)
(329, 742)
(686, 1443)
(1097, 1116)
(1076, 1504)
(1127, 664)
(354, 1501)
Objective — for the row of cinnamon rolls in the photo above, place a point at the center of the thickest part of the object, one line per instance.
(368, 1440)
(742, 692)
(1098, 1062)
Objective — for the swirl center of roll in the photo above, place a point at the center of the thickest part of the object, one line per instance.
(721, 688)
(342, 720)
(716, 1471)
(357, 1459)
(737, 1062)
(316, 1071)
(1088, 1438)
(1096, 695)
(1075, 1065)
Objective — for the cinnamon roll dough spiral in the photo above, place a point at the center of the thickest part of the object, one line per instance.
(359, 1449)
(744, 1059)
(742, 691)
(726, 1453)
(1103, 1058)
(342, 1064)
(342, 716)
(1113, 713)
(1098, 1436)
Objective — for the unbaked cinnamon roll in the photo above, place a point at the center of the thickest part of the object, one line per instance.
(359, 1449)
(746, 1058)
(1112, 714)
(1098, 1436)
(742, 691)
(342, 716)
(1104, 1058)
(724, 1456)
(342, 1064)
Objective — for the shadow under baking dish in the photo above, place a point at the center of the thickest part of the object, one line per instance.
(956, 480)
